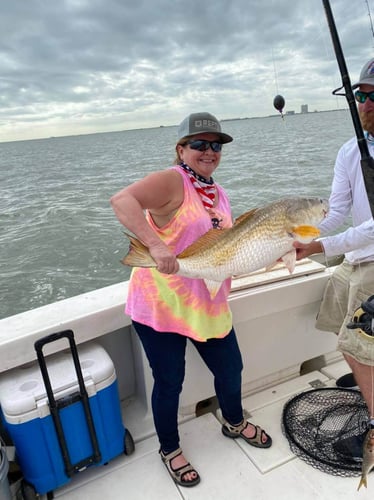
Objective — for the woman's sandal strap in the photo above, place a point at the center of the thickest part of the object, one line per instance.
(257, 438)
(166, 457)
(236, 431)
(177, 474)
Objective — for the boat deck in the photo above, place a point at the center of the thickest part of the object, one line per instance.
(230, 469)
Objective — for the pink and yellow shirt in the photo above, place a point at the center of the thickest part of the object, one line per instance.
(173, 303)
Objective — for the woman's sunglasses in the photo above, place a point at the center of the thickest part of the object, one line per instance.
(362, 96)
(203, 145)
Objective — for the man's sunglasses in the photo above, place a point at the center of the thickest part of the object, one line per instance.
(203, 145)
(362, 96)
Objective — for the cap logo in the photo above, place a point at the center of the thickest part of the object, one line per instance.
(370, 70)
(207, 123)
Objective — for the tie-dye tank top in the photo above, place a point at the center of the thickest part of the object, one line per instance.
(173, 303)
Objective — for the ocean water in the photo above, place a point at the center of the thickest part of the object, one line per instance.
(58, 234)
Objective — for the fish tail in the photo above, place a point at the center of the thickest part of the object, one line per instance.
(138, 254)
(362, 482)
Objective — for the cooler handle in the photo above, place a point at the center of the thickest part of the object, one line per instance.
(39, 344)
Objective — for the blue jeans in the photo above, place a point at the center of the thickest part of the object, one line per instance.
(166, 356)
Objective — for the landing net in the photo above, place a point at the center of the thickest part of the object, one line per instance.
(314, 421)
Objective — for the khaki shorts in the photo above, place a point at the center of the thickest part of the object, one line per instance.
(347, 288)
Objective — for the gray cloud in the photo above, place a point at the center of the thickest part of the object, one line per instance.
(81, 66)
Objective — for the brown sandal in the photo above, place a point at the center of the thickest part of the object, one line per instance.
(177, 474)
(235, 431)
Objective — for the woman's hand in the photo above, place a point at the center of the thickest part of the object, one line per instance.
(165, 260)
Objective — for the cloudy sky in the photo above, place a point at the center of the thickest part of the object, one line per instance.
(82, 66)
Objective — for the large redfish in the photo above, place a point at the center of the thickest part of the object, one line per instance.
(258, 239)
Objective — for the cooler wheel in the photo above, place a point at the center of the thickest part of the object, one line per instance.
(128, 443)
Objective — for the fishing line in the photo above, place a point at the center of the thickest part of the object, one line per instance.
(369, 14)
(275, 71)
(279, 103)
(293, 139)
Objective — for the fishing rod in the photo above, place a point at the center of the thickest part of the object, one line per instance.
(367, 162)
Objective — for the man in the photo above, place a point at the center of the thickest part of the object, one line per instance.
(353, 280)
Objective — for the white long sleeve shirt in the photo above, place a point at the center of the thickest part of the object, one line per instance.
(348, 197)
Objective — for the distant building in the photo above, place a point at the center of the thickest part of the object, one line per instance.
(304, 108)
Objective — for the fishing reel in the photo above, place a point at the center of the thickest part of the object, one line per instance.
(363, 317)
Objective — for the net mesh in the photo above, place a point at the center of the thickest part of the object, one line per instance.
(314, 421)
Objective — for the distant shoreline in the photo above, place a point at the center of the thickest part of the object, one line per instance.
(286, 114)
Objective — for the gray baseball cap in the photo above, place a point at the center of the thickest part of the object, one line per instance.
(366, 75)
(199, 123)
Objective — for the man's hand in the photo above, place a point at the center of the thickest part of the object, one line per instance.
(304, 250)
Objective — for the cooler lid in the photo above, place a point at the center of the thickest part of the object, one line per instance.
(22, 389)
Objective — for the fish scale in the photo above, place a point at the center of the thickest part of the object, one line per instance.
(242, 261)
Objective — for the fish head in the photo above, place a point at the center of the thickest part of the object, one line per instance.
(306, 211)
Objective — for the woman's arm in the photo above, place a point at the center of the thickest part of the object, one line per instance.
(161, 193)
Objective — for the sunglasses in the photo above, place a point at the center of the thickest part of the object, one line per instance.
(203, 145)
(362, 96)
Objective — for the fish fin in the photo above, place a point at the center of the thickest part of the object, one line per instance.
(212, 237)
(138, 254)
(270, 266)
(245, 216)
(362, 482)
(213, 287)
(305, 234)
(289, 260)
(205, 241)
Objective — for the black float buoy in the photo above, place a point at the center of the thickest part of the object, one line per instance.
(279, 103)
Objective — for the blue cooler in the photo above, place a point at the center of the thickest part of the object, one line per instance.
(58, 435)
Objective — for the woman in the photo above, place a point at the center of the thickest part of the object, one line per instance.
(181, 204)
